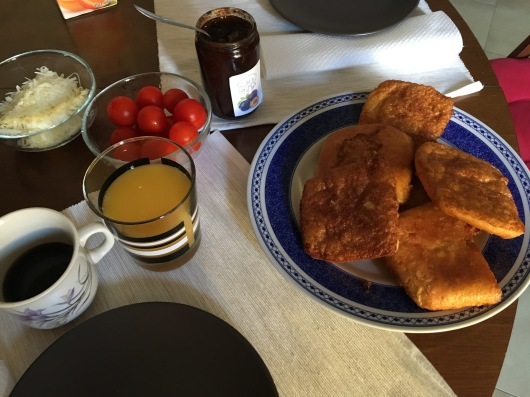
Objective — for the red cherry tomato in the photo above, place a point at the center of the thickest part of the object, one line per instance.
(173, 96)
(183, 132)
(190, 110)
(195, 147)
(121, 134)
(129, 151)
(149, 95)
(170, 121)
(156, 149)
(122, 111)
(152, 120)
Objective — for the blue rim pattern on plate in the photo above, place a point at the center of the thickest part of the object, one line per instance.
(373, 303)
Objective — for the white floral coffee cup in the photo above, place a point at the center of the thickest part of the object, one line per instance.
(47, 274)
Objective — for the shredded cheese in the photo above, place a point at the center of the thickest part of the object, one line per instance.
(41, 103)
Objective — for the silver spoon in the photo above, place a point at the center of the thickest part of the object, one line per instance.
(149, 14)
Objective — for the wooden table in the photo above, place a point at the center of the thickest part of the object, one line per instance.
(119, 42)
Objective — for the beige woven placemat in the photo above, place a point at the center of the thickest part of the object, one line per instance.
(309, 349)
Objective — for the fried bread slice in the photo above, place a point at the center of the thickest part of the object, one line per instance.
(438, 264)
(416, 109)
(395, 147)
(468, 188)
(350, 212)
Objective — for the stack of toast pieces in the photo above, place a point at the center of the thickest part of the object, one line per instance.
(351, 209)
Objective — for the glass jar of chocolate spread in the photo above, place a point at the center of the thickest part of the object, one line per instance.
(229, 61)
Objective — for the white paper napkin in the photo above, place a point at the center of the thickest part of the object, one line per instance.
(422, 40)
(287, 95)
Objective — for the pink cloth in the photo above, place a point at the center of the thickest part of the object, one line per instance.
(514, 79)
(520, 111)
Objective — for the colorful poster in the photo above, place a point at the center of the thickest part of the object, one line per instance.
(74, 8)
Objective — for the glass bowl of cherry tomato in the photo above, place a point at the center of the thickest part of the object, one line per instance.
(154, 104)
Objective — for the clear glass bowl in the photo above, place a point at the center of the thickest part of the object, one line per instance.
(97, 128)
(16, 70)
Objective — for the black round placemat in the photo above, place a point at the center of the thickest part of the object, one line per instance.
(344, 17)
(149, 349)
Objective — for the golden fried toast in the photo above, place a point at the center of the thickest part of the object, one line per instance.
(468, 188)
(416, 109)
(350, 212)
(438, 264)
(395, 147)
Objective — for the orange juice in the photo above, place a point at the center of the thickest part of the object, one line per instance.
(149, 204)
(154, 197)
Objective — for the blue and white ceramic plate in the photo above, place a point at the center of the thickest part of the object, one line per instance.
(364, 290)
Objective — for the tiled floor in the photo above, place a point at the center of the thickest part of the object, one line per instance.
(500, 25)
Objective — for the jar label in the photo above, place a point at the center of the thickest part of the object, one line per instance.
(245, 89)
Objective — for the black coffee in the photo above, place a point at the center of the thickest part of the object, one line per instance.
(36, 270)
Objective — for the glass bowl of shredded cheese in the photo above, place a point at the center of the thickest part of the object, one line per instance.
(43, 95)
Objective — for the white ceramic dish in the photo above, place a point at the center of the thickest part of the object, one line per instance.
(364, 290)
